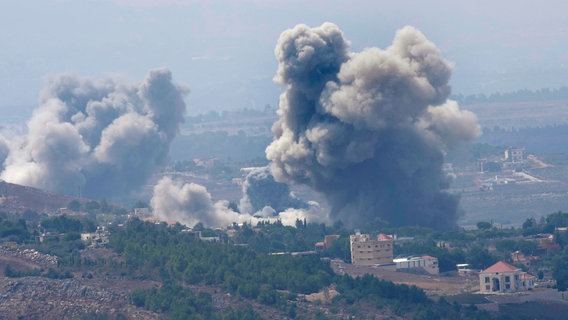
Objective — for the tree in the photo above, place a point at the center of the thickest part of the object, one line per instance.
(529, 223)
(480, 258)
(560, 271)
(92, 206)
(558, 219)
(74, 205)
(483, 225)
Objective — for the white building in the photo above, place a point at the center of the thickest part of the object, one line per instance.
(503, 278)
(515, 155)
(423, 263)
(370, 251)
(98, 238)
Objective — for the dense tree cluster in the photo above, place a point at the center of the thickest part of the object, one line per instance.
(275, 237)
(158, 252)
(14, 231)
(179, 259)
(64, 224)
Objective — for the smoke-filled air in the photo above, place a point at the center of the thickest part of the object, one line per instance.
(261, 190)
(368, 129)
(190, 203)
(101, 138)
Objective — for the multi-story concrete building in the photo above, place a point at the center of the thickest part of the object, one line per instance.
(370, 251)
(503, 277)
(516, 155)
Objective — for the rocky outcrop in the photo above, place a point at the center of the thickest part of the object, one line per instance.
(42, 298)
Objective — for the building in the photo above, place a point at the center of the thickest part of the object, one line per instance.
(505, 278)
(142, 212)
(464, 269)
(520, 258)
(326, 243)
(515, 155)
(329, 239)
(420, 264)
(99, 238)
(370, 251)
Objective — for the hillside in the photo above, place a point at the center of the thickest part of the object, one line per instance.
(17, 198)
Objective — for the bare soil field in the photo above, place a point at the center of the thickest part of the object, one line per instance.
(433, 285)
(512, 204)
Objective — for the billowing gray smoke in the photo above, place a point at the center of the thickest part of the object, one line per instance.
(104, 138)
(368, 129)
(261, 190)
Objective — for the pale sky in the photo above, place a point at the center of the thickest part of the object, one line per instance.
(224, 50)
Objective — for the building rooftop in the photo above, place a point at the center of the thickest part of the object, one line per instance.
(382, 236)
(501, 266)
(526, 276)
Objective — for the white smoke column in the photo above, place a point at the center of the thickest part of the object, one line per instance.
(104, 138)
(368, 129)
(190, 203)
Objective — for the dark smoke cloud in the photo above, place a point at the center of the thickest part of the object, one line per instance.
(261, 190)
(104, 138)
(368, 129)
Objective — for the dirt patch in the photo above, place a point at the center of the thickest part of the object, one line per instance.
(433, 285)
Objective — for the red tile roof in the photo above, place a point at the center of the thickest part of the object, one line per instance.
(527, 276)
(501, 266)
(382, 236)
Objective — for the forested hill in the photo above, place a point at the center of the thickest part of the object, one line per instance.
(179, 260)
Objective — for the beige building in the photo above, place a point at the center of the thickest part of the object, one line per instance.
(503, 278)
(370, 251)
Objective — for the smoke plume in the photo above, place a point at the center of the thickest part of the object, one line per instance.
(369, 129)
(261, 190)
(103, 138)
(190, 203)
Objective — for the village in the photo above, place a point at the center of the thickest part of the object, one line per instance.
(486, 263)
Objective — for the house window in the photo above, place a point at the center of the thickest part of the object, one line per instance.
(486, 279)
(507, 287)
(507, 279)
(487, 287)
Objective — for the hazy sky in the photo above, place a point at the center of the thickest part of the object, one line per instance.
(224, 50)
